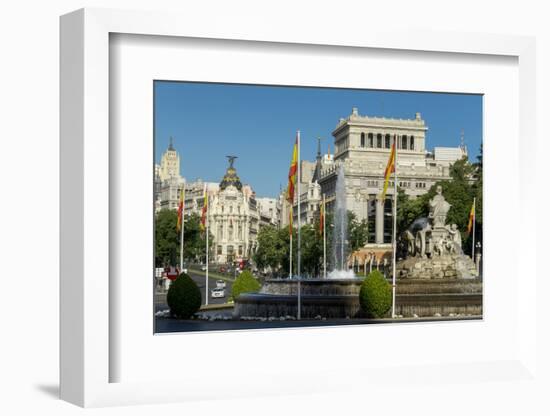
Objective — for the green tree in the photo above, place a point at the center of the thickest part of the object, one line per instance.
(375, 295)
(166, 238)
(284, 240)
(194, 247)
(357, 232)
(246, 282)
(271, 248)
(184, 297)
(311, 250)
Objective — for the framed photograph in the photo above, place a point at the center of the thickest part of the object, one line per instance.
(240, 252)
(315, 209)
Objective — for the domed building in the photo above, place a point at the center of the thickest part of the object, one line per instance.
(234, 218)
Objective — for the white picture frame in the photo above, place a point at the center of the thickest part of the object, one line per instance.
(87, 302)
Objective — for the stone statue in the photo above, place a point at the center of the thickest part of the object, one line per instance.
(455, 239)
(434, 249)
(409, 238)
(438, 209)
(439, 247)
(231, 160)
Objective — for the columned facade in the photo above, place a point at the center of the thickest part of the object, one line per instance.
(362, 146)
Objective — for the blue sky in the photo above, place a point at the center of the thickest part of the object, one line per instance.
(258, 124)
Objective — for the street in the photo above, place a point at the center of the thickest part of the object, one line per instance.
(199, 278)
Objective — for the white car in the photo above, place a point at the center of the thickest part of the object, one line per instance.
(203, 268)
(220, 284)
(218, 293)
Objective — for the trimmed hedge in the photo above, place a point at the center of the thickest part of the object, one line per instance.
(184, 297)
(246, 282)
(375, 295)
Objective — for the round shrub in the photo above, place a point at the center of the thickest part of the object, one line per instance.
(375, 295)
(184, 297)
(246, 282)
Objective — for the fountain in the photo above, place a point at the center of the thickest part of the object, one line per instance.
(340, 243)
(436, 277)
(337, 296)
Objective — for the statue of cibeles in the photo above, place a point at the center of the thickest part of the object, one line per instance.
(438, 209)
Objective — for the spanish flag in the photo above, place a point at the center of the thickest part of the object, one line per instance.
(180, 209)
(204, 210)
(472, 217)
(292, 172)
(390, 168)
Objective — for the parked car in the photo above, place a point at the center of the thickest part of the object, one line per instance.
(203, 267)
(218, 293)
(220, 284)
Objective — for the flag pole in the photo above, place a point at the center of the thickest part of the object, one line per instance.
(474, 231)
(290, 230)
(395, 138)
(324, 238)
(298, 272)
(207, 235)
(182, 227)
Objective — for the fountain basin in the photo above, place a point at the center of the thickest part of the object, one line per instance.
(332, 299)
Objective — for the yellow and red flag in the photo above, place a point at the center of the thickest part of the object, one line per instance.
(180, 209)
(292, 172)
(390, 168)
(472, 217)
(204, 210)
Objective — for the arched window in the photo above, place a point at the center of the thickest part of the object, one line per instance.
(371, 140)
(378, 140)
(412, 143)
(387, 141)
(362, 139)
(404, 142)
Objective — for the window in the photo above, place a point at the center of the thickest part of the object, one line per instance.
(371, 140)
(379, 140)
(240, 250)
(387, 141)
(229, 250)
(404, 142)
(219, 250)
(362, 139)
(412, 143)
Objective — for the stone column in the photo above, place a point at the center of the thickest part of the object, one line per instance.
(379, 229)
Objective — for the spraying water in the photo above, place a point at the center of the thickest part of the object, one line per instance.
(340, 234)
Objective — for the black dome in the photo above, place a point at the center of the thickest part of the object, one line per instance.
(231, 177)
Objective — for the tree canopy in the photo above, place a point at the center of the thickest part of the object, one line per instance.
(167, 239)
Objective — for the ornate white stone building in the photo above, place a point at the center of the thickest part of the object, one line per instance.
(362, 145)
(234, 219)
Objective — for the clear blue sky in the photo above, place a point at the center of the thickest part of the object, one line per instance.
(258, 124)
